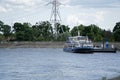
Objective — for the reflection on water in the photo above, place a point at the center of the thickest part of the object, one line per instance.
(54, 64)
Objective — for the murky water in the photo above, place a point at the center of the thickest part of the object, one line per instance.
(54, 64)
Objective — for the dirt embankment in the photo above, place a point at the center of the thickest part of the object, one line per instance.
(43, 44)
(31, 44)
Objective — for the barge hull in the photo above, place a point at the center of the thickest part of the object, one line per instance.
(79, 50)
(111, 50)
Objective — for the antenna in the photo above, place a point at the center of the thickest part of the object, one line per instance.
(55, 14)
(78, 29)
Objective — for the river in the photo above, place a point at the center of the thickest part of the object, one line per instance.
(54, 64)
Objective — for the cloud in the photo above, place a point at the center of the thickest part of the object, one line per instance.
(2, 9)
(7, 5)
(20, 4)
(99, 16)
(86, 18)
(65, 1)
(75, 19)
(96, 3)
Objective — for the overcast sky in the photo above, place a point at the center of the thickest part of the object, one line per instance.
(104, 13)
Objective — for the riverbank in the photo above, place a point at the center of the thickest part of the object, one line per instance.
(115, 78)
(43, 44)
(31, 45)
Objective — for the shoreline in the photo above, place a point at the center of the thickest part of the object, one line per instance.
(32, 45)
(50, 44)
(115, 78)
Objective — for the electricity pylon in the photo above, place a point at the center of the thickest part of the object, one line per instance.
(55, 14)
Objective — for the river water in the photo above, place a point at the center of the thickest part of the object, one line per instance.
(54, 64)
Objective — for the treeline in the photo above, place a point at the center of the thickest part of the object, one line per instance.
(43, 31)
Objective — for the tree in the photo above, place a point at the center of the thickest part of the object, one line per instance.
(92, 31)
(28, 32)
(107, 34)
(81, 28)
(1, 37)
(23, 32)
(1, 24)
(116, 32)
(74, 31)
(117, 26)
(63, 32)
(117, 35)
(36, 33)
(43, 31)
(6, 30)
(96, 33)
(18, 27)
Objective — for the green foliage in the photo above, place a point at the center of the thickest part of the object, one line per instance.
(117, 35)
(20, 36)
(1, 25)
(92, 31)
(116, 32)
(1, 37)
(74, 31)
(107, 35)
(63, 36)
(44, 31)
(104, 78)
(62, 32)
(6, 29)
(28, 34)
(23, 32)
(18, 27)
(63, 29)
(117, 26)
(19, 31)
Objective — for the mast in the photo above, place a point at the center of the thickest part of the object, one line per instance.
(78, 29)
